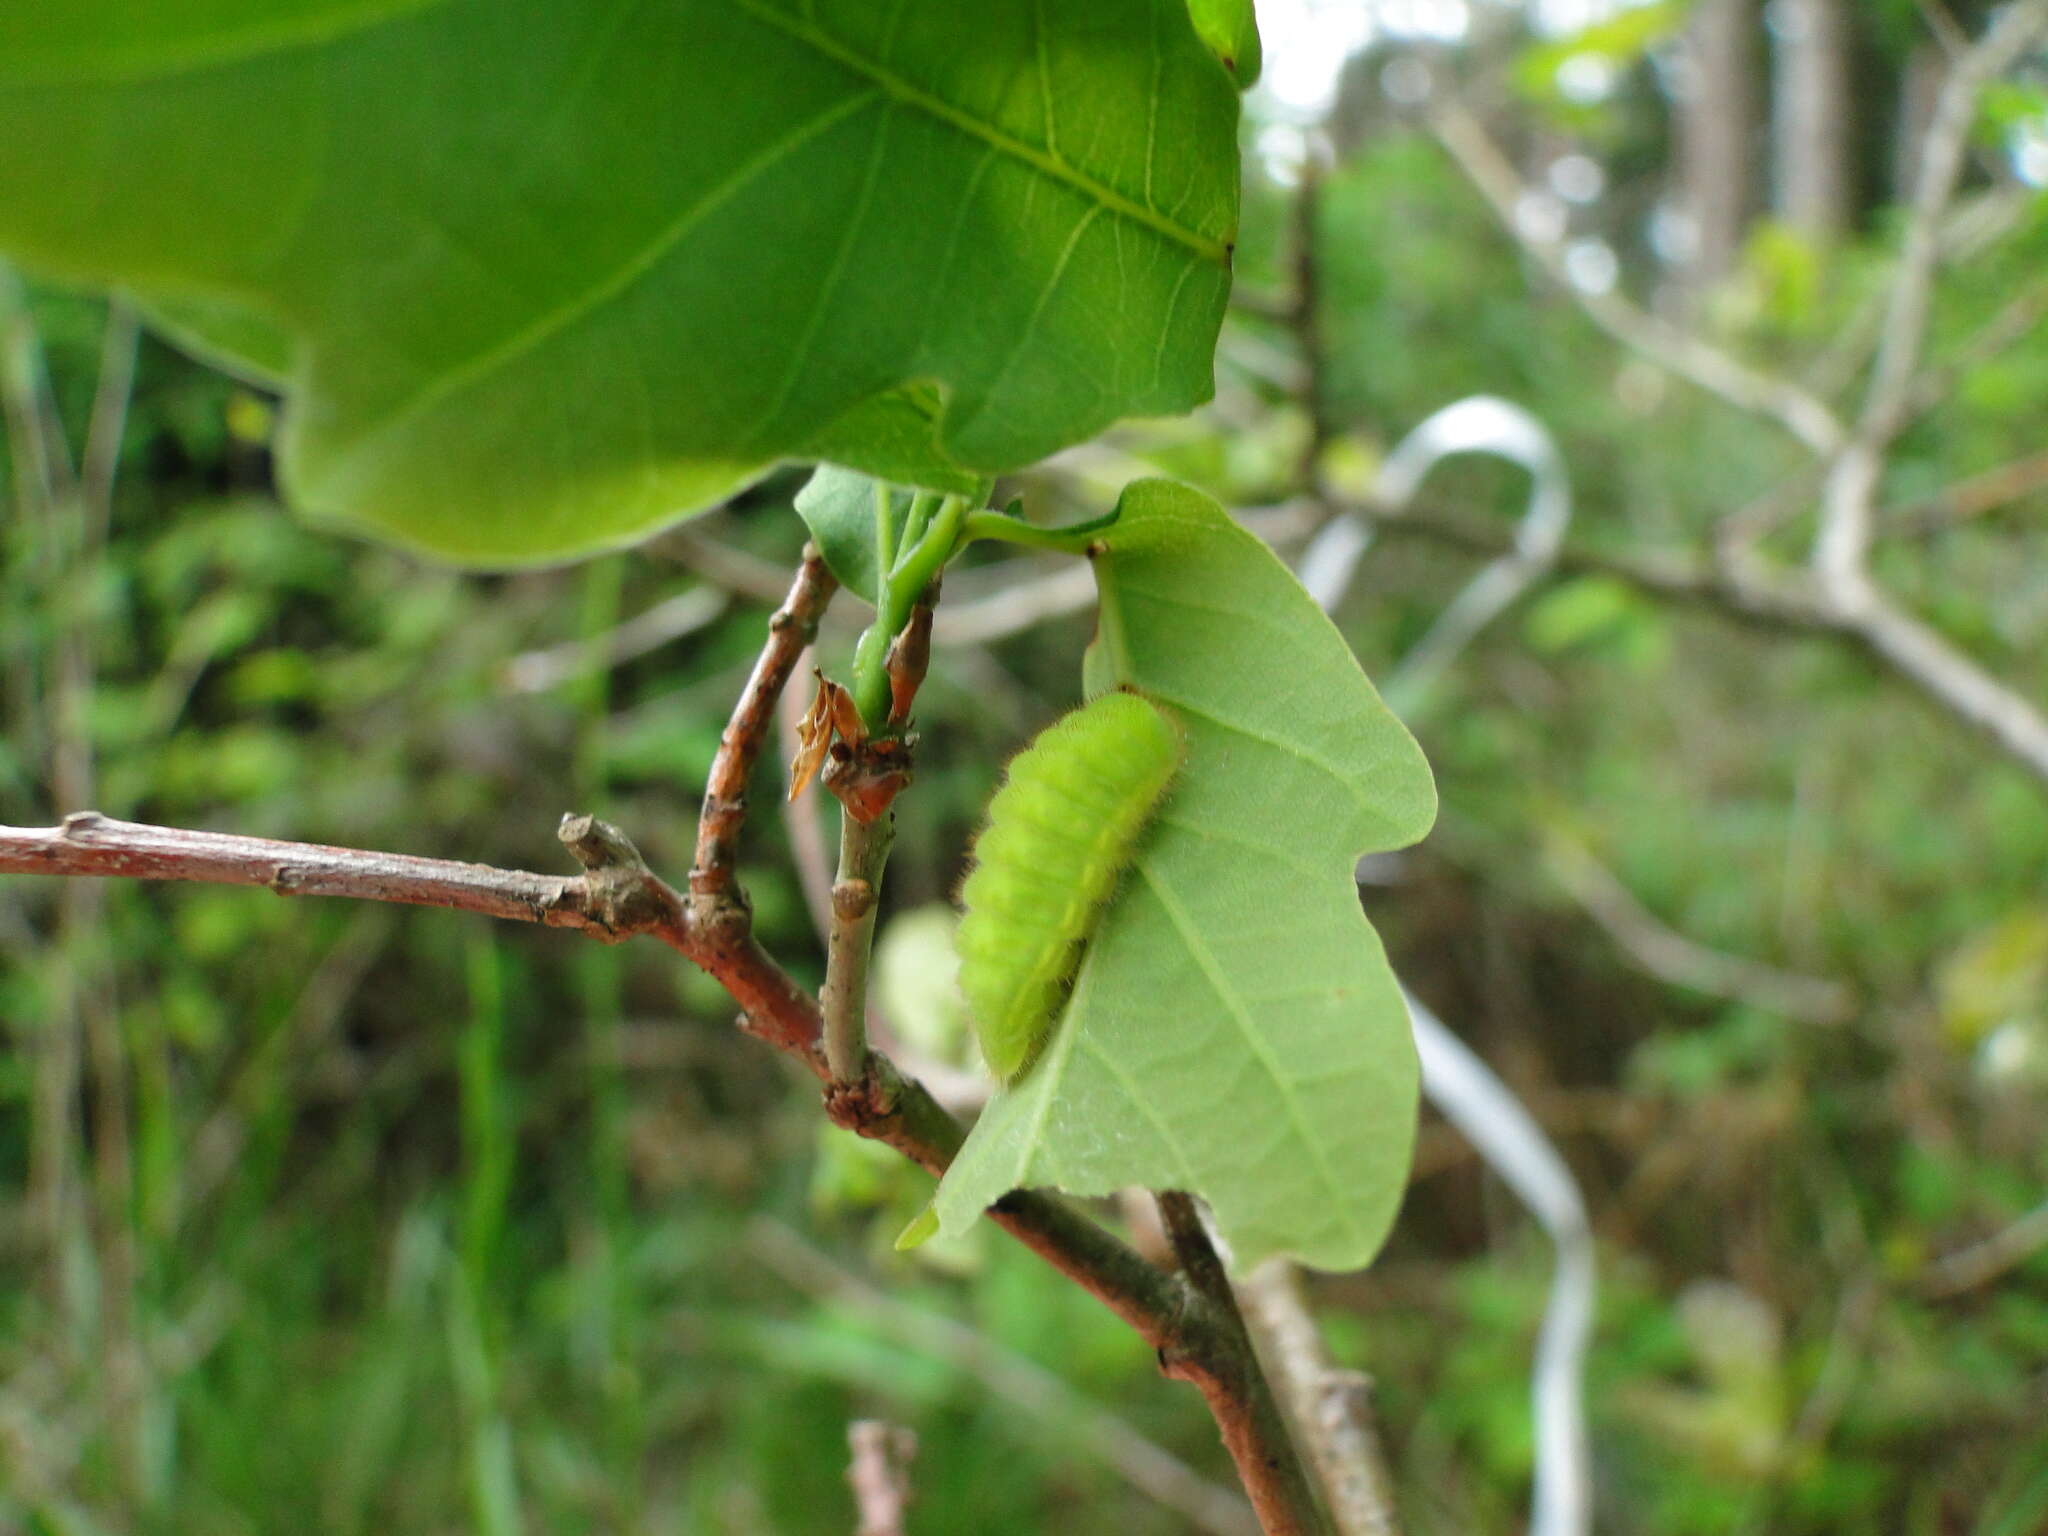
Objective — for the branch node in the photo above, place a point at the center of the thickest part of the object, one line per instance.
(79, 824)
(721, 916)
(852, 900)
(624, 897)
(598, 845)
(861, 1104)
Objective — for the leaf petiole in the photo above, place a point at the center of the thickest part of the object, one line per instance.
(885, 526)
(1008, 528)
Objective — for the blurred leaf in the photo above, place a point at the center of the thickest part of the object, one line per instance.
(1618, 41)
(1998, 977)
(579, 272)
(917, 982)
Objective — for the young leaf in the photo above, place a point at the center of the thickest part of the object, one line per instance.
(1234, 1028)
(1232, 33)
(549, 275)
(838, 506)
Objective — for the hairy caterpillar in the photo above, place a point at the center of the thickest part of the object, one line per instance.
(1059, 832)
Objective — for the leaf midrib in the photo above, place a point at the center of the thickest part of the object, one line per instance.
(1038, 159)
(1259, 1047)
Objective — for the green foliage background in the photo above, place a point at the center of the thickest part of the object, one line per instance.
(446, 1226)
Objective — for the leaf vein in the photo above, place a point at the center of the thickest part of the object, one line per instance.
(1044, 160)
(488, 361)
(1233, 1005)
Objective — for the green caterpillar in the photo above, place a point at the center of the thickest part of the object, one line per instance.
(1059, 832)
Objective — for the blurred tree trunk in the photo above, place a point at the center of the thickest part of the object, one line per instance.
(1919, 89)
(1716, 133)
(1814, 119)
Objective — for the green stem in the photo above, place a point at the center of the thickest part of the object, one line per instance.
(940, 534)
(915, 521)
(863, 852)
(885, 527)
(870, 674)
(1000, 526)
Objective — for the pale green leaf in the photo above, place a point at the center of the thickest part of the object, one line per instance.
(548, 276)
(1234, 1029)
(1232, 33)
(838, 506)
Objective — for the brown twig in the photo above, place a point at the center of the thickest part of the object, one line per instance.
(1331, 1408)
(793, 627)
(879, 1474)
(1280, 1493)
(1971, 498)
(616, 899)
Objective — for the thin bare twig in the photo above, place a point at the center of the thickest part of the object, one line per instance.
(1305, 318)
(1943, 24)
(1748, 590)
(1691, 357)
(101, 458)
(616, 898)
(1849, 497)
(1019, 606)
(733, 570)
(879, 1474)
(1951, 679)
(1982, 1262)
(856, 892)
(670, 620)
(1024, 1384)
(1331, 1408)
(2019, 318)
(1975, 497)
(1281, 1492)
(793, 627)
(1672, 957)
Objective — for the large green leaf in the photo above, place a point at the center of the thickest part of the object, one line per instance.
(1234, 1029)
(550, 273)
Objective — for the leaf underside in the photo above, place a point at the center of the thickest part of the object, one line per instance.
(541, 277)
(1234, 1029)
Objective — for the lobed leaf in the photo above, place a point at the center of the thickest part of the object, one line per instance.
(1234, 1029)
